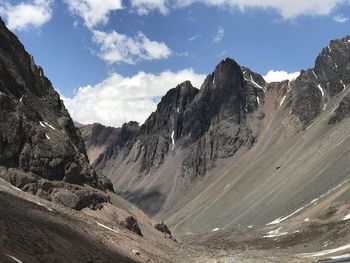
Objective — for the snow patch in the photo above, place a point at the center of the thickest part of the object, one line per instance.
(15, 259)
(325, 252)
(21, 99)
(341, 82)
(284, 97)
(281, 219)
(173, 140)
(275, 233)
(42, 124)
(320, 88)
(178, 110)
(47, 137)
(251, 226)
(313, 72)
(323, 97)
(215, 229)
(257, 100)
(214, 80)
(329, 48)
(50, 125)
(347, 217)
(106, 227)
(306, 219)
(48, 208)
(256, 84)
(345, 256)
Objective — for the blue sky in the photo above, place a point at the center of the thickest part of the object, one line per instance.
(112, 59)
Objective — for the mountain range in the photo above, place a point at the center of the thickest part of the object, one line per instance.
(237, 170)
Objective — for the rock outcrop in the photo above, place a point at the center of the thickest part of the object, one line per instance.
(39, 144)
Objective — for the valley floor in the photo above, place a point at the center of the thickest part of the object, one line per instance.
(35, 230)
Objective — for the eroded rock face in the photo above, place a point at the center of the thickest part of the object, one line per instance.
(37, 135)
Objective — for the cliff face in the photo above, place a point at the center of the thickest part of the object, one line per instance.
(38, 140)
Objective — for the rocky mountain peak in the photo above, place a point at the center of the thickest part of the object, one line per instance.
(332, 66)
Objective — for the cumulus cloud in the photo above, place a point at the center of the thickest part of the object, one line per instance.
(26, 14)
(220, 34)
(144, 7)
(340, 18)
(273, 76)
(119, 99)
(117, 48)
(286, 8)
(93, 12)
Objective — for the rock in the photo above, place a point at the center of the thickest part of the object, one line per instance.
(131, 223)
(135, 252)
(163, 228)
(341, 112)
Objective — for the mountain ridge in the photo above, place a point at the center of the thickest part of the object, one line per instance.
(232, 111)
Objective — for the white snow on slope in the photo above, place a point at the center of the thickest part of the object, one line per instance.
(344, 256)
(50, 125)
(258, 100)
(275, 233)
(313, 72)
(42, 124)
(21, 99)
(320, 88)
(281, 219)
(15, 259)
(215, 229)
(323, 97)
(325, 252)
(172, 139)
(106, 227)
(256, 84)
(284, 97)
(347, 217)
(47, 137)
(341, 82)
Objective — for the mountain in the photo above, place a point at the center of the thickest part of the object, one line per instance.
(240, 151)
(54, 206)
(41, 151)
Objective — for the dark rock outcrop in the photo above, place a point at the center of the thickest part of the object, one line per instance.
(131, 223)
(37, 135)
(163, 228)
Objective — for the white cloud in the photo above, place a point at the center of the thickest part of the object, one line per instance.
(194, 37)
(286, 8)
(26, 14)
(273, 76)
(119, 99)
(220, 34)
(117, 48)
(340, 18)
(94, 12)
(144, 7)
